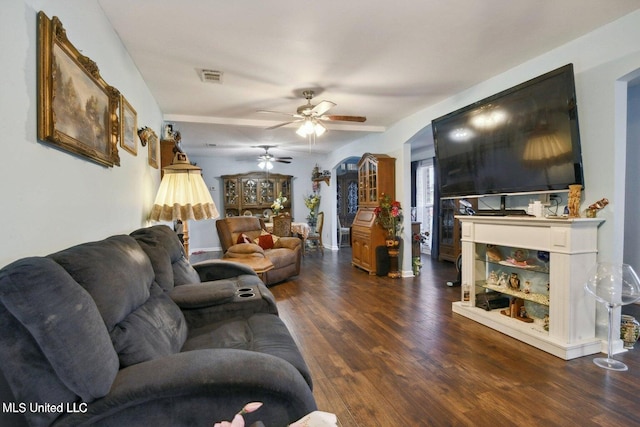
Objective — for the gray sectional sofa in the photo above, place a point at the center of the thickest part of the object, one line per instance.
(126, 332)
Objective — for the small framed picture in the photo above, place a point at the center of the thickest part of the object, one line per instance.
(149, 138)
(128, 126)
(154, 149)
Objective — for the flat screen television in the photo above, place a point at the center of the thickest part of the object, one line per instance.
(522, 140)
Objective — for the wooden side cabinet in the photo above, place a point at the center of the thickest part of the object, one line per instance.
(376, 176)
(366, 236)
(450, 229)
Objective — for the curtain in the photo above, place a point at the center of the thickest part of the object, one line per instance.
(435, 228)
(414, 170)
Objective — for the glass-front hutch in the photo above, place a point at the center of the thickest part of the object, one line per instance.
(254, 192)
(376, 176)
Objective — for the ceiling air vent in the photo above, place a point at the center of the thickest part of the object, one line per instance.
(211, 76)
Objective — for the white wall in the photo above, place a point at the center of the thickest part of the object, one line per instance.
(51, 199)
(203, 234)
(600, 58)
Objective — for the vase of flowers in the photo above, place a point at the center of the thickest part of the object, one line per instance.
(389, 216)
(278, 204)
(312, 202)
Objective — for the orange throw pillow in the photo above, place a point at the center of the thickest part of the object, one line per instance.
(265, 241)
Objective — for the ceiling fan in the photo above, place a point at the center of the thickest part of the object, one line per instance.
(311, 116)
(266, 160)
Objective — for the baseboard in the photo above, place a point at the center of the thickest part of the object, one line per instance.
(200, 250)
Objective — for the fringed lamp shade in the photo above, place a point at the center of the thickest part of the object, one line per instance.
(183, 195)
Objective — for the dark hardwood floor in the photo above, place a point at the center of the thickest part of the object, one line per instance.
(389, 352)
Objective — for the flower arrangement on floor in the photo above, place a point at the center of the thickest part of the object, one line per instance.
(389, 216)
(312, 202)
(420, 238)
(417, 265)
(278, 204)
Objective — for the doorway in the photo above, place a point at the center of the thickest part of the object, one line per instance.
(424, 201)
(346, 197)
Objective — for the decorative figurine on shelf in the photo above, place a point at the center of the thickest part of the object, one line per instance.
(315, 173)
(493, 278)
(514, 281)
(493, 253)
(517, 310)
(593, 209)
(519, 257)
(575, 192)
(523, 312)
(502, 281)
(527, 287)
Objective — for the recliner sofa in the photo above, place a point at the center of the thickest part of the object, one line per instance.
(286, 254)
(124, 331)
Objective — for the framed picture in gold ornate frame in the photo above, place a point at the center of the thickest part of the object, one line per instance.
(128, 127)
(77, 109)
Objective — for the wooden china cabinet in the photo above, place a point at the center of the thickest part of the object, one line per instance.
(254, 192)
(376, 176)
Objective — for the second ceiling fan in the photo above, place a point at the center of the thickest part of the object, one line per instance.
(266, 160)
(311, 116)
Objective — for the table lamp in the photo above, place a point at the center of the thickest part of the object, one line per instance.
(183, 195)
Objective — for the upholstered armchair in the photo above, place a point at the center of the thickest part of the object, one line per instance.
(243, 238)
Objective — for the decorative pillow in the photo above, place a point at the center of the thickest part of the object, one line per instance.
(266, 240)
(243, 238)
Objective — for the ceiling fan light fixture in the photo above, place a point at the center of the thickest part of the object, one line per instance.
(311, 126)
(265, 164)
(319, 129)
(301, 131)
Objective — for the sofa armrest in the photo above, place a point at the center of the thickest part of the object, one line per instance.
(204, 294)
(211, 302)
(201, 387)
(245, 249)
(288, 242)
(220, 269)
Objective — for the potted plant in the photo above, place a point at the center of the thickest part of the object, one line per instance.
(312, 202)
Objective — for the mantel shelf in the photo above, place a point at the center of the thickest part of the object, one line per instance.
(563, 314)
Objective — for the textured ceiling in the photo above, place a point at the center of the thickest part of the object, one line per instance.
(381, 59)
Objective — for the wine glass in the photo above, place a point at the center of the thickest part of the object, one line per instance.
(613, 285)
